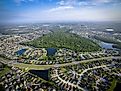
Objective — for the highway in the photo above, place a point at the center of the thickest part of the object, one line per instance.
(42, 67)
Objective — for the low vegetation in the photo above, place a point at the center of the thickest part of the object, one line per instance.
(27, 67)
(5, 70)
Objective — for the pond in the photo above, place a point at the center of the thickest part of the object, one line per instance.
(118, 87)
(41, 73)
(51, 51)
(106, 45)
(21, 51)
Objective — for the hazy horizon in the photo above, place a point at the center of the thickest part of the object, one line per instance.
(46, 11)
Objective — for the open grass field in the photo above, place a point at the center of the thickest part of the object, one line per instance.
(113, 85)
(28, 67)
(4, 71)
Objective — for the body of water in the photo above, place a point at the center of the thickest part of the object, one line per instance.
(51, 51)
(41, 73)
(21, 52)
(106, 45)
(118, 87)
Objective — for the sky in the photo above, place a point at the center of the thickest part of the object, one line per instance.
(19, 11)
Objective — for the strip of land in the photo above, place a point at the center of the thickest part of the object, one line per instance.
(43, 67)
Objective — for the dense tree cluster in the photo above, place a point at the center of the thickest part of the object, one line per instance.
(63, 39)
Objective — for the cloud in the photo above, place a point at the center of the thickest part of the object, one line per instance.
(19, 1)
(87, 2)
(62, 2)
(69, 10)
(60, 8)
(74, 3)
(86, 14)
(103, 1)
(67, 2)
(64, 13)
(83, 3)
(69, 13)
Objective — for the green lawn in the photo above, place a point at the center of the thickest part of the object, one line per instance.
(28, 67)
(3, 72)
(113, 85)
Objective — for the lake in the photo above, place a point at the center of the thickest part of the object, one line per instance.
(41, 73)
(21, 51)
(106, 45)
(118, 87)
(51, 51)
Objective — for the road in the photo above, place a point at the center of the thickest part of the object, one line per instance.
(5, 61)
(69, 83)
(42, 67)
(82, 73)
